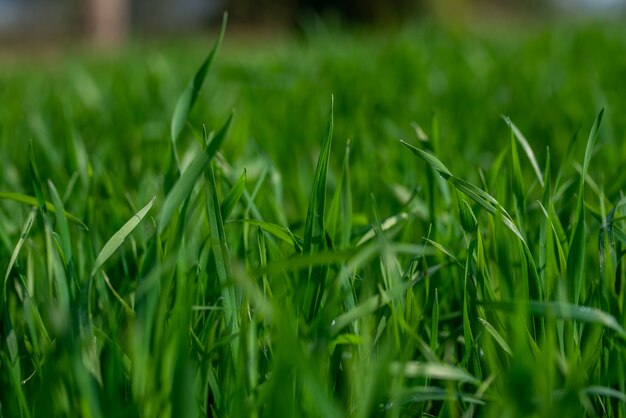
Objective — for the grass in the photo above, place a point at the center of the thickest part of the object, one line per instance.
(364, 236)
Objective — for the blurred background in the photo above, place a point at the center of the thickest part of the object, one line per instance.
(110, 22)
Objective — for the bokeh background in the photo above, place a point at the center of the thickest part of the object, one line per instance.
(110, 22)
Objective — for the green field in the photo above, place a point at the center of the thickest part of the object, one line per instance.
(419, 222)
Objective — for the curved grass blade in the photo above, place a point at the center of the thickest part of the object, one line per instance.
(187, 180)
(32, 201)
(478, 195)
(526, 147)
(277, 231)
(118, 238)
(25, 230)
(563, 310)
(444, 250)
(430, 159)
(385, 225)
(606, 392)
(188, 98)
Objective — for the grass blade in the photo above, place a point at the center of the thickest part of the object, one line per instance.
(430, 159)
(563, 310)
(606, 392)
(233, 196)
(478, 195)
(279, 232)
(496, 336)
(25, 230)
(314, 225)
(119, 237)
(222, 259)
(64, 230)
(188, 98)
(576, 256)
(36, 180)
(32, 201)
(314, 228)
(188, 179)
(527, 149)
(433, 371)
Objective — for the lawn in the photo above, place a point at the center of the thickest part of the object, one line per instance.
(424, 221)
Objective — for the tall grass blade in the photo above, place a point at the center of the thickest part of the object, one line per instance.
(64, 230)
(36, 181)
(222, 259)
(576, 255)
(184, 185)
(188, 98)
(314, 239)
(314, 224)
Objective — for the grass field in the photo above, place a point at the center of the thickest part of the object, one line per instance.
(426, 222)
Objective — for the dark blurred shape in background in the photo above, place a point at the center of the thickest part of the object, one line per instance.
(361, 11)
(109, 22)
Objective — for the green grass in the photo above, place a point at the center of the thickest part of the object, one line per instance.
(365, 235)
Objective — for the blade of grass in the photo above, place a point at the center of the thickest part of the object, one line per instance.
(314, 225)
(496, 336)
(433, 371)
(385, 225)
(32, 201)
(280, 232)
(233, 196)
(314, 228)
(36, 181)
(25, 230)
(576, 256)
(526, 147)
(64, 230)
(430, 159)
(188, 98)
(478, 195)
(222, 259)
(184, 185)
(606, 392)
(119, 237)
(563, 310)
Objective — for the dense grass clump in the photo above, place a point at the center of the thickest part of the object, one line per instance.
(365, 235)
